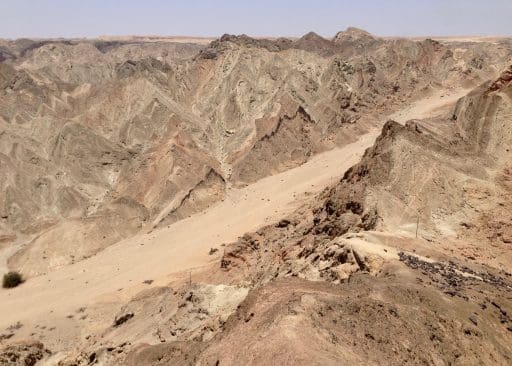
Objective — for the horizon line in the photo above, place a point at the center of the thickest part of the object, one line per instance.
(262, 36)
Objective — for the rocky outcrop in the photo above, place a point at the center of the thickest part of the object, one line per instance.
(92, 129)
(23, 354)
(411, 175)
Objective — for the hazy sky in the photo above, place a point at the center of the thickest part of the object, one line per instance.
(89, 18)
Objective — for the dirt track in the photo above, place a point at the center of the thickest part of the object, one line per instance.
(162, 254)
(179, 247)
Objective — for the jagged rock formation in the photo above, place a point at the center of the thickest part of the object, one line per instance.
(23, 353)
(453, 173)
(450, 175)
(99, 141)
(148, 133)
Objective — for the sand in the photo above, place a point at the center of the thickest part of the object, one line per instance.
(163, 254)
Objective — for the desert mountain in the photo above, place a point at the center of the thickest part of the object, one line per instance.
(104, 143)
(147, 133)
(346, 281)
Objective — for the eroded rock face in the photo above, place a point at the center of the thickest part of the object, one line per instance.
(145, 134)
(23, 354)
(186, 317)
(316, 245)
(319, 244)
(345, 322)
(367, 320)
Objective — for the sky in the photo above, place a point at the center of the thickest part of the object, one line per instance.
(91, 18)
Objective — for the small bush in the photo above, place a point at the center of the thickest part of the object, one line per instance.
(12, 279)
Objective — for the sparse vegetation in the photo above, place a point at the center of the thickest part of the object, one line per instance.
(213, 251)
(12, 279)
(13, 327)
(122, 319)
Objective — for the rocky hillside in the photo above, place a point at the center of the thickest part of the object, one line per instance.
(147, 133)
(412, 240)
(447, 177)
(101, 140)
